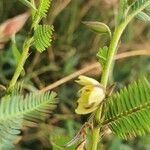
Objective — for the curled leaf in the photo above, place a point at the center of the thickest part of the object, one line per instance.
(98, 27)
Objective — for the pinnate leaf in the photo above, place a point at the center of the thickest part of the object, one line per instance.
(128, 110)
(42, 37)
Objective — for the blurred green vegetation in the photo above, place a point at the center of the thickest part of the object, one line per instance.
(74, 47)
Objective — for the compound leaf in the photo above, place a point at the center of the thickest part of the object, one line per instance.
(128, 110)
(42, 37)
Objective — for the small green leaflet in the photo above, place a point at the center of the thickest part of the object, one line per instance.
(98, 27)
(102, 55)
(122, 10)
(28, 4)
(41, 12)
(138, 4)
(143, 17)
(42, 37)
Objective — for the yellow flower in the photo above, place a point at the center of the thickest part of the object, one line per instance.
(91, 95)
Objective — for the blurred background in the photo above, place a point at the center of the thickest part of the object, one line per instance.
(74, 47)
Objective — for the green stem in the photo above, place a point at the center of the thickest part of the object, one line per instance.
(111, 53)
(20, 65)
(114, 43)
(110, 61)
(96, 128)
(95, 137)
(104, 80)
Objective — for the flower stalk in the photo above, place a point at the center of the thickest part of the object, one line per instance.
(107, 69)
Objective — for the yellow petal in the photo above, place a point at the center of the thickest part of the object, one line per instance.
(83, 80)
(91, 95)
(83, 109)
(86, 90)
(89, 100)
(96, 96)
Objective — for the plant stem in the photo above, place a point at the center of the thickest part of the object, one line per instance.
(114, 43)
(95, 137)
(109, 64)
(96, 128)
(20, 65)
(104, 80)
(111, 53)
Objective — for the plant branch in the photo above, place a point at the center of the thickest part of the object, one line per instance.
(114, 43)
(109, 66)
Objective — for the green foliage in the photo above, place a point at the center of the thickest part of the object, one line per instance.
(42, 37)
(14, 109)
(121, 10)
(70, 48)
(102, 55)
(9, 129)
(28, 4)
(43, 7)
(138, 4)
(137, 7)
(128, 110)
(41, 12)
(143, 17)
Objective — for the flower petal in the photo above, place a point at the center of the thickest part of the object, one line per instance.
(12, 26)
(81, 109)
(83, 80)
(91, 95)
(85, 89)
(96, 96)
